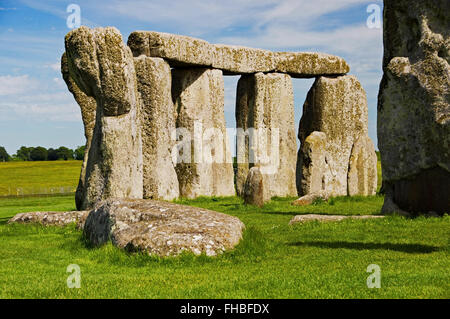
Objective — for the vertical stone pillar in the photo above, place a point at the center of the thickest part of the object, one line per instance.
(266, 132)
(102, 67)
(337, 107)
(88, 106)
(414, 107)
(204, 165)
(158, 123)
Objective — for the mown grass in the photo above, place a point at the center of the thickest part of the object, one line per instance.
(26, 178)
(274, 260)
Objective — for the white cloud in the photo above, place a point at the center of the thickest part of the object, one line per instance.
(27, 97)
(13, 85)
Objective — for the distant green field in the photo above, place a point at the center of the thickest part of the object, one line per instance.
(58, 177)
(34, 178)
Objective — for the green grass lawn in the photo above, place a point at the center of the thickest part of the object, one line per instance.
(27, 178)
(274, 260)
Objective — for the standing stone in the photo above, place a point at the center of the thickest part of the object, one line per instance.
(414, 106)
(266, 131)
(204, 166)
(362, 168)
(313, 165)
(158, 123)
(102, 67)
(254, 192)
(88, 106)
(336, 106)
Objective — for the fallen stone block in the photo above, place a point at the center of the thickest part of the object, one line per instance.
(311, 198)
(51, 218)
(328, 218)
(162, 228)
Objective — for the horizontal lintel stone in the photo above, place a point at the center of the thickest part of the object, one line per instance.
(184, 51)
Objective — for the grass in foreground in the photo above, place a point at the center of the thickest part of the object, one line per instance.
(27, 178)
(274, 260)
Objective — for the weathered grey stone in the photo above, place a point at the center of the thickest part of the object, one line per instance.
(88, 106)
(311, 198)
(328, 218)
(414, 106)
(158, 123)
(179, 50)
(102, 67)
(238, 60)
(265, 110)
(362, 168)
(183, 51)
(308, 64)
(204, 166)
(336, 106)
(51, 218)
(254, 192)
(314, 173)
(162, 228)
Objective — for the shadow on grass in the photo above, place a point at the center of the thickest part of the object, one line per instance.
(4, 220)
(405, 248)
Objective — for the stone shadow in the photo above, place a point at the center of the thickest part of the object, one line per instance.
(405, 248)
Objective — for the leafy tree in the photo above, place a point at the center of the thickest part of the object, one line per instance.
(4, 156)
(79, 153)
(39, 154)
(64, 153)
(24, 153)
(52, 154)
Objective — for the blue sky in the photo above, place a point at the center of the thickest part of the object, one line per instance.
(36, 108)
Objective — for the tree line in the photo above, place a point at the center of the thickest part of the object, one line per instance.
(40, 153)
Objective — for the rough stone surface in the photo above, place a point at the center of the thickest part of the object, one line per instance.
(362, 169)
(336, 106)
(52, 218)
(308, 64)
(328, 218)
(102, 67)
(265, 106)
(254, 193)
(312, 166)
(183, 51)
(162, 228)
(88, 106)
(158, 123)
(238, 60)
(204, 165)
(310, 198)
(179, 50)
(414, 106)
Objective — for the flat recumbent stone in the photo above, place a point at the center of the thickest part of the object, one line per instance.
(162, 228)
